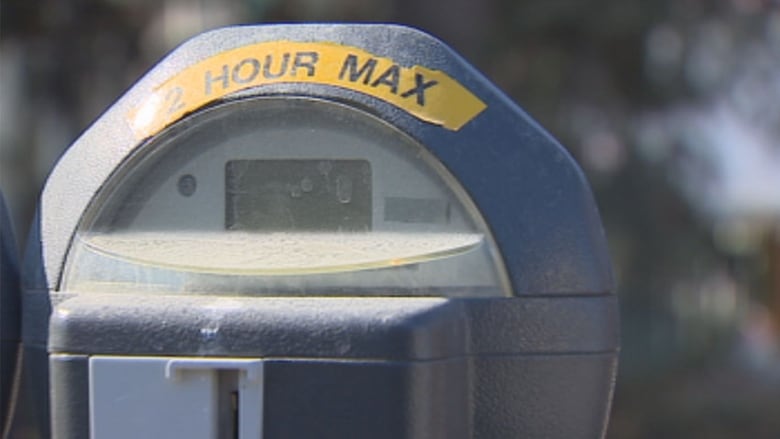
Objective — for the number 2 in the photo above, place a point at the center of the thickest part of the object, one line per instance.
(174, 99)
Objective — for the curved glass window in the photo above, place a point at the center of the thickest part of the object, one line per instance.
(293, 196)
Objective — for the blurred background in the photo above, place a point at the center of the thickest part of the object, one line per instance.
(672, 107)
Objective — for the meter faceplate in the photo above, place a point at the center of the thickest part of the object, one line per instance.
(284, 196)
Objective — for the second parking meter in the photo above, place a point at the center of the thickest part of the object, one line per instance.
(319, 231)
(10, 312)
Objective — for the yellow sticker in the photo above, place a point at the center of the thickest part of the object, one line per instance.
(430, 95)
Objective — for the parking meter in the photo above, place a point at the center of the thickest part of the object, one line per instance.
(10, 316)
(319, 231)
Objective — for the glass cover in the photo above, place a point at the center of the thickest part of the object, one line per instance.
(293, 196)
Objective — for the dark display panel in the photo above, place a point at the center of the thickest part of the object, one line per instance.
(298, 195)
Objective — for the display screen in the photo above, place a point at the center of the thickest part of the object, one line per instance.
(298, 195)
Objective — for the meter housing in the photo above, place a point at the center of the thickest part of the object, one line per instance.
(317, 230)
